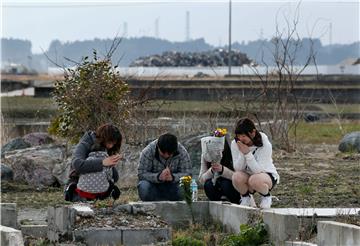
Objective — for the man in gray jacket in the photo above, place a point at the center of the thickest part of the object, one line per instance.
(162, 163)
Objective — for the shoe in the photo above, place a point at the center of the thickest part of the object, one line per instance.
(245, 201)
(265, 202)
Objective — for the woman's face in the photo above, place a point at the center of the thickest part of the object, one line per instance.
(109, 145)
(245, 139)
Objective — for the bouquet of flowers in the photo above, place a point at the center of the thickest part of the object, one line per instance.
(212, 148)
(185, 182)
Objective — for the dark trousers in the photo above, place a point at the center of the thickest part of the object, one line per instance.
(166, 191)
(223, 187)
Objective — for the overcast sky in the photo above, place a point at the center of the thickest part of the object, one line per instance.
(45, 20)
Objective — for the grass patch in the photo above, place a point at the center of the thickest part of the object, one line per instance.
(324, 132)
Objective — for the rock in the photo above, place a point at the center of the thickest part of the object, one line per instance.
(217, 57)
(35, 165)
(192, 144)
(6, 173)
(38, 138)
(14, 144)
(350, 142)
(311, 117)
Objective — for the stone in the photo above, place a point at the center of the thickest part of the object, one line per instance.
(37, 231)
(83, 210)
(7, 173)
(298, 243)
(8, 215)
(14, 144)
(35, 165)
(335, 233)
(217, 57)
(350, 142)
(11, 236)
(61, 221)
(38, 138)
(141, 236)
(311, 117)
(231, 215)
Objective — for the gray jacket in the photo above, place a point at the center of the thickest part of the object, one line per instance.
(80, 164)
(151, 163)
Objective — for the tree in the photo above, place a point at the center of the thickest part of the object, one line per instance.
(91, 93)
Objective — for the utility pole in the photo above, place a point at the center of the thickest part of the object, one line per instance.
(229, 62)
(157, 27)
(187, 26)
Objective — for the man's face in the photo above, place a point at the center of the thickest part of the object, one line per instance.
(165, 155)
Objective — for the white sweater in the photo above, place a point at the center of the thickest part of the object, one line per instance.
(259, 162)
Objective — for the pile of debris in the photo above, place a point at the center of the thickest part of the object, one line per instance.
(214, 58)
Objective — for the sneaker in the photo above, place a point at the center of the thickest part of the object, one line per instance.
(245, 201)
(265, 202)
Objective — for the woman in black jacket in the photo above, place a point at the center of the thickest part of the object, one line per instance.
(106, 138)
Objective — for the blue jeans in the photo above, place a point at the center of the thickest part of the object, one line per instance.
(223, 187)
(166, 191)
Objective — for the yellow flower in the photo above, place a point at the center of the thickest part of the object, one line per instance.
(220, 132)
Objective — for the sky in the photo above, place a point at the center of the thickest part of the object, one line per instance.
(42, 21)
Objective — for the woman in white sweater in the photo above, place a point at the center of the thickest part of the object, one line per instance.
(252, 159)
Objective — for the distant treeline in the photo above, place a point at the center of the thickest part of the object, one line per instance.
(19, 51)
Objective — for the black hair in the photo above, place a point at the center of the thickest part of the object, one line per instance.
(168, 143)
(246, 126)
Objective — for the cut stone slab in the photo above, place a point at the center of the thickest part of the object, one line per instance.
(175, 213)
(287, 223)
(320, 212)
(298, 243)
(8, 215)
(37, 231)
(231, 215)
(32, 216)
(83, 210)
(11, 236)
(122, 236)
(335, 233)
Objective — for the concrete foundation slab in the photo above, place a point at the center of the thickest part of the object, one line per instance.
(123, 236)
(319, 212)
(37, 231)
(8, 215)
(298, 243)
(11, 236)
(335, 233)
(231, 215)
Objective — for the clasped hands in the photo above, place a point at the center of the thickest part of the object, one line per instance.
(216, 167)
(166, 175)
(112, 160)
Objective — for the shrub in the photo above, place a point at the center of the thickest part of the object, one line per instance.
(187, 241)
(249, 236)
(90, 94)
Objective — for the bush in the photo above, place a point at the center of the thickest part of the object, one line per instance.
(187, 241)
(90, 94)
(249, 236)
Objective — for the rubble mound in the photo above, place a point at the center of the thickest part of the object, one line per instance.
(108, 218)
(213, 58)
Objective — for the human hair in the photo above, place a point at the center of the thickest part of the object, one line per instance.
(246, 126)
(108, 133)
(168, 143)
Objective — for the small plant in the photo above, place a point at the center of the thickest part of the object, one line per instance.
(186, 192)
(187, 241)
(249, 236)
